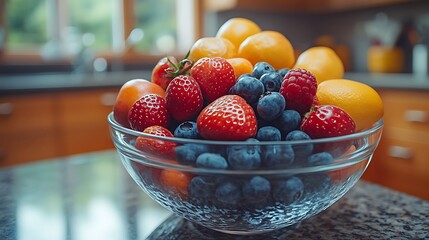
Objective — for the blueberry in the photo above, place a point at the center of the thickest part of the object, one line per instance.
(277, 156)
(271, 105)
(244, 159)
(321, 158)
(288, 121)
(228, 193)
(272, 81)
(316, 182)
(287, 190)
(283, 72)
(187, 154)
(268, 133)
(302, 151)
(248, 88)
(211, 160)
(244, 75)
(201, 188)
(187, 129)
(261, 68)
(256, 190)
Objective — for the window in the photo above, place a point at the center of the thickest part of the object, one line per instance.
(62, 29)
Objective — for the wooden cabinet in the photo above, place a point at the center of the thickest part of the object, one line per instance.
(82, 117)
(401, 161)
(46, 125)
(27, 128)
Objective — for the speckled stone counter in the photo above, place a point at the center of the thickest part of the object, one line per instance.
(92, 197)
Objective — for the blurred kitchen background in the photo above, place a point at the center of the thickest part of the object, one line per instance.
(62, 63)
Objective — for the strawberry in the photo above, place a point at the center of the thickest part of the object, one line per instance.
(214, 75)
(149, 110)
(329, 121)
(227, 118)
(167, 69)
(154, 146)
(184, 98)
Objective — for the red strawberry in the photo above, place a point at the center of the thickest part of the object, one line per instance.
(227, 118)
(149, 110)
(184, 98)
(168, 68)
(214, 75)
(154, 146)
(161, 72)
(299, 88)
(329, 121)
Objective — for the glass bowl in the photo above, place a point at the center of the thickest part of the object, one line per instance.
(284, 188)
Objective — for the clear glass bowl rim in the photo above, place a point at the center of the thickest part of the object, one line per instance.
(341, 162)
(115, 125)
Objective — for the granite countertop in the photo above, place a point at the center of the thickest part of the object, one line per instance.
(60, 81)
(90, 196)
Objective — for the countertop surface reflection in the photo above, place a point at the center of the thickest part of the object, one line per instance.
(91, 196)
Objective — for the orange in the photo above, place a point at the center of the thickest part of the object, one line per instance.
(175, 182)
(240, 66)
(268, 46)
(212, 47)
(359, 100)
(129, 93)
(237, 30)
(323, 62)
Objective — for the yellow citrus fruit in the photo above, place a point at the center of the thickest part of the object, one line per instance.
(359, 100)
(268, 46)
(323, 62)
(240, 66)
(212, 47)
(237, 30)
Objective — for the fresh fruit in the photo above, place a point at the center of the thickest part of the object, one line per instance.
(129, 93)
(359, 100)
(227, 118)
(168, 68)
(268, 133)
(215, 76)
(302, 151)
(328, 121)
(288, 190)
(320, 158)
(149, 110)
(270, 106)
(322, 62)
(212, 47)
(268, 46)
(240, 66)
(237, 30)
(262, 68)
(272, 81)
(187, 154)
(211, 160)
(161, 72)
(299, 88)
(175, 182)
(201, 188)
(275, 156)
(249, 88)
(156, 146)
(244, 157)
(288, 121)
(187, 129)
(256, 190)
(183, 98)
(228, 193)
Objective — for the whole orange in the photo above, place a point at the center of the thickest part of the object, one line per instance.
(237, 30)
(129, 93)
(323, 62)
(268, 46)
(240, 66)
(212, 47)
(359, 100)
